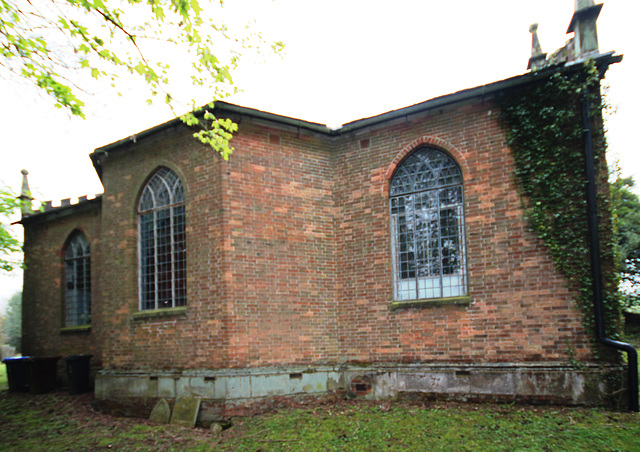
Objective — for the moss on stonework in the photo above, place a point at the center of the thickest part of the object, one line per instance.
(76, 329)
(431, 302)
(160, 313)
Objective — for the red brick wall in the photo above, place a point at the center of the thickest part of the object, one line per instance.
(260, 253)
(199, 338)
(43, 291)
(281, 265)
(289, 255)
(521, 309)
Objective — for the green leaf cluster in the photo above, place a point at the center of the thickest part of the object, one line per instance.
(52, 43)
(626, 209)
(9, 245)
(12, 322)
(544, 128)
(213, 131)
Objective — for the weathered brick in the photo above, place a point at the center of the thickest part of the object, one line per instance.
(289, 255)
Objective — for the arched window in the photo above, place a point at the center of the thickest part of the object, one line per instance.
(77, 276)
(427, 227)
(162, 244)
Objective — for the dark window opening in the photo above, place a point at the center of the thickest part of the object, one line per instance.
(427, 221)
(77, 275)
(162, 242)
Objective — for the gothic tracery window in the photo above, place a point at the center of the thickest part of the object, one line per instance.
(427, 221)
(162, 242)
(77, 275)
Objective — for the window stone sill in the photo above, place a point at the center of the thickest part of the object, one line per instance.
(159, 314)
(431, 302)
(75, 329)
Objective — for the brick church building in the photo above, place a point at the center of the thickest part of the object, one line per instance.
(390, 256)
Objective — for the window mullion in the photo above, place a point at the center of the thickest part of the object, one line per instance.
(463, 244)
(155, 260)
(74, 293)
(415, 245)
(76, 290)
(172, 257)
(394, 255)
(141, 285)
(87, 288)
(439, 242)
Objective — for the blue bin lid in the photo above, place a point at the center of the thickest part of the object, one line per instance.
(16, 358)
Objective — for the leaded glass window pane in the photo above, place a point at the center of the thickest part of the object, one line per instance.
(427, 221)
(162, 242)
(77, 274)
(426, 168)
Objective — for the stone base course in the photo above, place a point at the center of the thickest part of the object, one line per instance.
(226, 393)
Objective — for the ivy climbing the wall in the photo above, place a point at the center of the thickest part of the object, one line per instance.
(544, 128)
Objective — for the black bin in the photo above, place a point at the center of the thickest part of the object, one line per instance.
(17, 373)
(42, 373)
(78, 372)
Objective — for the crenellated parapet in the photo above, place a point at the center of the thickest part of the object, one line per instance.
(67, 202)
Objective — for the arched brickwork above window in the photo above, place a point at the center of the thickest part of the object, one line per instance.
(432, 141)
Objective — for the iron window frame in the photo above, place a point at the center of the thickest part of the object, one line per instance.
(171, 207)
(72, 301)
(461, 226)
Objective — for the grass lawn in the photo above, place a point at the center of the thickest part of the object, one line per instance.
(3, 377)
(59, 422)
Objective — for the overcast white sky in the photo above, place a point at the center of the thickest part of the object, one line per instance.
(344, 60)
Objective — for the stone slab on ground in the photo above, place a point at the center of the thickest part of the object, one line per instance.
(185, 412)
(161, 413)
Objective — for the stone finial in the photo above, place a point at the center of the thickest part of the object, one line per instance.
(583, 24)
(538, 57)
(25, 197)
(535, 42)
(583, 4)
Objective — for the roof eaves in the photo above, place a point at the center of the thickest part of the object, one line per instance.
(221, 108)
(438, 102)
(470, 93)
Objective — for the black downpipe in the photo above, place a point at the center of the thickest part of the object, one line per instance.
(632, 354)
